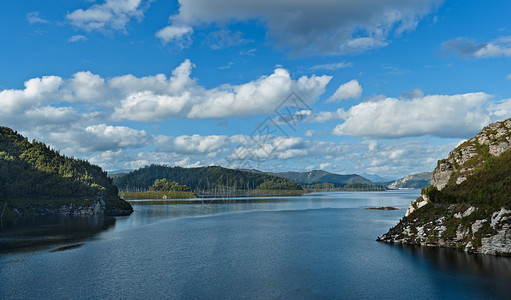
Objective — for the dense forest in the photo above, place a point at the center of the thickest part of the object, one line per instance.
(34, 171)
(330, 187)
(209, 180)
(320, 176)
(167, 186)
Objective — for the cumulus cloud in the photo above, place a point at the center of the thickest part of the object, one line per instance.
(327, 27)
(175, 33)
(159, 98)
(468, 48)
(36, 91)
(210, 145)
(112, 15)
(348, 90)
(455, 116)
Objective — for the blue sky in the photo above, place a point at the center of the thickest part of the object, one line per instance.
(370, 86)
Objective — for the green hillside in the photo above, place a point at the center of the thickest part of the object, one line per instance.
(320, 176)
(35, 179)
(209, 180)
(468, 205)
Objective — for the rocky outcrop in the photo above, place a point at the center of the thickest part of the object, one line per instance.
(462, 161)
(418, 203)
(413, 181)
(467, 206)
(457, 227)
(71, 209)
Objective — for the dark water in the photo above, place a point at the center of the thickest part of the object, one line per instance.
(312, 247)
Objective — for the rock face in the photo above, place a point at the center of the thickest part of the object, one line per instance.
(468, 205)
(414, 181)
(72, 209)
(462, 161)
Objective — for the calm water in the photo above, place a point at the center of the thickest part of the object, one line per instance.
(319, 246)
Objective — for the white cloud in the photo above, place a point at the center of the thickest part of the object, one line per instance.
(210, 145)
(77, 38)
(327, 27)
(348, 90)
(119, 136)
(175, 33)
(35, 17)
(332, 66)
(112, 15)
(85, 87)
(508, 76)
(82, 140)
(500, 110)
(324, 166)
(158, 98)
(36, 92)
(500, 47)
(454, 116)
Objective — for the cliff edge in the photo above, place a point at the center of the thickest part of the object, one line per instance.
(468, 205)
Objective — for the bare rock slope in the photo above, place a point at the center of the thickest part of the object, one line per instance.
(468, 205)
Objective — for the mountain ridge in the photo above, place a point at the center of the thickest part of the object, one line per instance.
(412, 181)
(320, 176)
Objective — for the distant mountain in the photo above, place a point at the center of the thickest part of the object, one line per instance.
(37, 180)
(320, 176)
(414, 181)
(377, 178)
(211, 180)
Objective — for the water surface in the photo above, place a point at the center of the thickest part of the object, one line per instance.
(318, 246)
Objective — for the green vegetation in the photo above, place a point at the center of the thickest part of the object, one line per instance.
(330, 187)
(32, 174)
(279, 183)
(383, 208)
(208, 180)
(320, 176)
(489, 185)
(158, 195)
(167, 186)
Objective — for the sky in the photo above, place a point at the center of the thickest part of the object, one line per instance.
(347, 86)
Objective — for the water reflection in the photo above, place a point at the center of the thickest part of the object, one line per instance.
(33, 233)
(493, 273)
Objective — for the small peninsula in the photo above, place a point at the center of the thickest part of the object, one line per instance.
(468, 205)
(37, 180)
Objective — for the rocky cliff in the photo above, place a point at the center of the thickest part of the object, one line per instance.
(468, 205)
(413, 181)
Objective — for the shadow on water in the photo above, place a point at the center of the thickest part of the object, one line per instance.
(34, 233)
(490, 274)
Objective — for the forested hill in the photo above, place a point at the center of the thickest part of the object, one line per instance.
(36, 179)
(213, 179)
(320, 176)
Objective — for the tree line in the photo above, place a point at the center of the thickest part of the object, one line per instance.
(203, 179)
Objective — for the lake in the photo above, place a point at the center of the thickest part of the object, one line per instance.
(317, 246)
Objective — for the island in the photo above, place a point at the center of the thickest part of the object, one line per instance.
(383, 208)
(468, 205)
(37, 180)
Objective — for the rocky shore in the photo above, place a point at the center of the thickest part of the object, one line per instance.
(467, 205)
